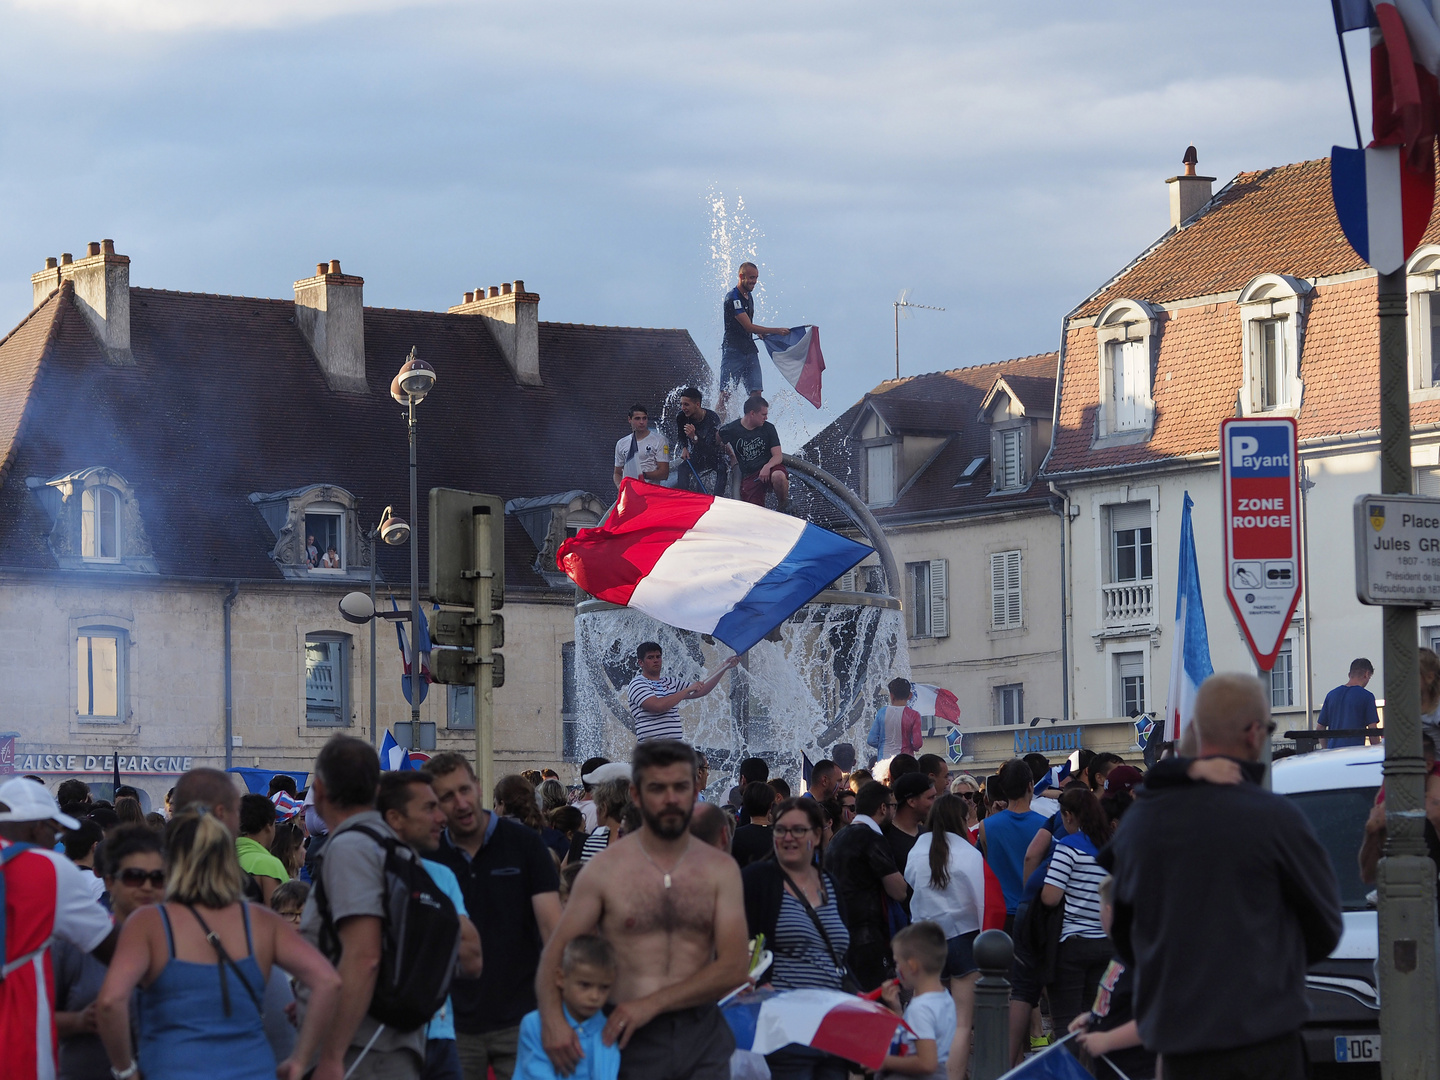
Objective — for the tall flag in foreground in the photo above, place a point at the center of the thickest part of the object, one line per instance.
(797, 356)
(405, 658)
(830, 1021)
(393, 756)
(934, 701)
(1190, 647)
(716, 566)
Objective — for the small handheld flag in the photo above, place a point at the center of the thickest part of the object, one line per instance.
(393, 756)
(796, 355)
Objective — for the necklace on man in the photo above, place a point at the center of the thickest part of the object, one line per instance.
(657, 866)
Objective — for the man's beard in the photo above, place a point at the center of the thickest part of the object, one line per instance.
(664, 825)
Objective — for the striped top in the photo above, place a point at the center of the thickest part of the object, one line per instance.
(802, 962)
(1073, 869)
(595, 843)
(648, 725)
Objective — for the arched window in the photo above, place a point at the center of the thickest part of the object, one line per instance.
(100, 524)
(1272, 311)
(1124, 334)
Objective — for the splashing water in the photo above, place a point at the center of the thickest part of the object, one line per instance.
(820, 685)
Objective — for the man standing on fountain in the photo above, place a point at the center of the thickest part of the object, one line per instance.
(655, 700)
(674, 911)
(739, 358)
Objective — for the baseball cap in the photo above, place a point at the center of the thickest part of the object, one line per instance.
(911, 785)
(29, 801)
(1123, 778)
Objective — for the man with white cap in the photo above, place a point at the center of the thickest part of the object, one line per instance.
(45, 897)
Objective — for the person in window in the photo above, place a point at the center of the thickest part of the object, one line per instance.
(643, 454)
(753, 446)
(312, 553)
(331, 561)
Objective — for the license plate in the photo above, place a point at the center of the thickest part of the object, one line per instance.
(1352, 1048)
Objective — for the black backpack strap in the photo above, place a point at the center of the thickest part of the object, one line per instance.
(223, 960)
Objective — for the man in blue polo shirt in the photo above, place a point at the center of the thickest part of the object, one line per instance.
(739, 358)
(1350, 705)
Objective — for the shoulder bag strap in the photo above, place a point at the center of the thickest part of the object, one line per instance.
(810, 910)
(222, 959)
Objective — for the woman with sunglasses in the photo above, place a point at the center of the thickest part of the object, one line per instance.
(788, 898)
(968, 788)
(201, 959)
(134, 876)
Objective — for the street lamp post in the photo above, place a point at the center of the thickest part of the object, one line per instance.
(409, 388)
(394, 531)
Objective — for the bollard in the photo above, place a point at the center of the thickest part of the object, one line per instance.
(993, 953)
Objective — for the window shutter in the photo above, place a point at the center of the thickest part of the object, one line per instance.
(1012, 588)
(997, 590)
(846, 581)
(939, 594)
(1133, 515)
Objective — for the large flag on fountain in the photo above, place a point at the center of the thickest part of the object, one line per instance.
(796, 354)
(1190, 645)
(697, 562)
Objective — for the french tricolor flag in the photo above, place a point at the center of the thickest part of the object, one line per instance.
(1383, 205)
(697, 562)
(796, 354)
(830, 1021)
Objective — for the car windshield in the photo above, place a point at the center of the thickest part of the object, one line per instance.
(1338, 818)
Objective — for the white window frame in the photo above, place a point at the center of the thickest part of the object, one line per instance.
(102, 630)
(1289, 648)
(1283, 300)
(1422, 293)
(882, 497)
(341, 677)
(1001, 696)
(1007, 608)
(1003, 477)
(1126, 328)
(1113, 577)
(1113, 657)
(329, 509)
(936, 593)
(90, 531)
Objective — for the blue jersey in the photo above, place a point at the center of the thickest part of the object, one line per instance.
(1348, 707)
(1007, 835)
(737, 338)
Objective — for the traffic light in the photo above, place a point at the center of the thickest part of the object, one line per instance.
(454, 516)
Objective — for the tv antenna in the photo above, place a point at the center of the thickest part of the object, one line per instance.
(903, 302)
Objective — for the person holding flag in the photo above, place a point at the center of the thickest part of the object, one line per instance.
(739, 358)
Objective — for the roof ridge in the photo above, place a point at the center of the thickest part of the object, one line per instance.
(893, 383)
(66, 288)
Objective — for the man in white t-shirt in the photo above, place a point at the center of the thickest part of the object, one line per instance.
(643, 454)
(655, 700)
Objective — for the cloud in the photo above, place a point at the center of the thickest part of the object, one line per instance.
(188, 16)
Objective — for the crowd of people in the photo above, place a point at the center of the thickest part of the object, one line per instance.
(590, 932)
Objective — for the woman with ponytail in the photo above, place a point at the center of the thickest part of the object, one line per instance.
(1074, 879)
(201, 959)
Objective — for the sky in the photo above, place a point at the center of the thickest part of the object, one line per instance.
(998, 160)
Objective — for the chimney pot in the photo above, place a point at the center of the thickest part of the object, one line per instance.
(494, 290)
(469, 298)
(92, 248)
(320, 269)
(107, 247)
(505, 289)
(51, 263)
(1188, 192)
(335, 266)
(519, 285)
(66, 258)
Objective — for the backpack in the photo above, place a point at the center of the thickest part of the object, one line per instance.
(419, 938)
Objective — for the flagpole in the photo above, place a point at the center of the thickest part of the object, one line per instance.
(1345, 63)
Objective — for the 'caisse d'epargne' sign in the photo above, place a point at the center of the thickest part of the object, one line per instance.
(1259, 475)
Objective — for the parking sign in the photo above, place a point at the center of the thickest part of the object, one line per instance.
(1259, 476)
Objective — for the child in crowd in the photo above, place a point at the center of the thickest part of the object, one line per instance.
(568, 874)
(587, 971)
(920, 951)
(1109, 1029)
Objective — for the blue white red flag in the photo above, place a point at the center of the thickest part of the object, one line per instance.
(393, 756)
(405, 657)
(1383, 205)
(1190, 646)
(1053, 1063)
(796, 354)
(830, 1021)
(716, 566)
(935, 701)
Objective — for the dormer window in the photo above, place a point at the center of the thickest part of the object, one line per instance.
(880, 474)
(1272, 313)
(1423, 287)
(1009, 462)
(100, 524)
(1125, 333)
(325, 537)
(316, 531)
(550, 520)
(1019, 431)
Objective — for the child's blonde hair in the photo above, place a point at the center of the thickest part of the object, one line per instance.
(923, 941)
(588, 950)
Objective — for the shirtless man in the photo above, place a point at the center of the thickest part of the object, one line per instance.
(674, 911)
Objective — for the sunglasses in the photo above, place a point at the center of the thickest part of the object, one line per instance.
(134, 877)
(972, 796)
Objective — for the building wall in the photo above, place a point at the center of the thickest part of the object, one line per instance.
(974, 659)
(175, 675)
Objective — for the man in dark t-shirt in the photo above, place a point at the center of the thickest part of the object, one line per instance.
(511, 890)
(864, 870)
(739, 358)
(753, 446)
(695, 438)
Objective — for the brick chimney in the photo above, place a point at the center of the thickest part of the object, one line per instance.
(512, 316)
(1188, 192)
(330, 312)
(102, 293)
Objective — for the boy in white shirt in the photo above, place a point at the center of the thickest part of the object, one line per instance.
(920, 951)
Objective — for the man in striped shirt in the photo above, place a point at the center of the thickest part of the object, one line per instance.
(655, 699)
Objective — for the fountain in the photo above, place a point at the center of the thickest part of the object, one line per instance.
(815, 683)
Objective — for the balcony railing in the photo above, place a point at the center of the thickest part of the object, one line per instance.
(1129, 602)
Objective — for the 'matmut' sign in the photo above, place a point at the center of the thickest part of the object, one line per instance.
(1046, 742)
(156, 765)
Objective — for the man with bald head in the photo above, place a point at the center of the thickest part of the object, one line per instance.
(1216, 879)
(213, 790)
(711, 825)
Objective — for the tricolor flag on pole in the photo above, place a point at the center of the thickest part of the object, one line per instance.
(934, 701)
(797, 356)
(405, 658)
(716, 566)
(1382, 204)
(1190, 646)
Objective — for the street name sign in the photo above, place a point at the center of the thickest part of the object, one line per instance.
(1397, 550)
(1260, 497)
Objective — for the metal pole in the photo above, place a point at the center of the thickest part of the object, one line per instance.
(375, 532)
(993, 954)
(1406, 876)
(484, 656)
(414, 591)
(1305, 485)
(897, 339)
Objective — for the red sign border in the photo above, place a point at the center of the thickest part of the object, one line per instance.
(1266, 662)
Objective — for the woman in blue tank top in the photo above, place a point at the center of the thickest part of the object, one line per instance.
(201, 960)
